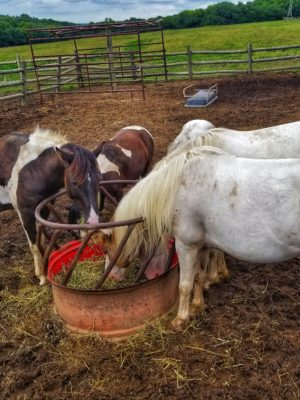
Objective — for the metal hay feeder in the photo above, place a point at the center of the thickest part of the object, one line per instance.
(110, 312)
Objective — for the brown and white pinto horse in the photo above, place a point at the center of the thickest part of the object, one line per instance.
(126, 156)
(35, 166)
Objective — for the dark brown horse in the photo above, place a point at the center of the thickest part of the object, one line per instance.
(35, 166)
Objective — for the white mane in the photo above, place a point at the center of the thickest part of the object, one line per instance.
(191, 130)
(43, 138)
(152, 198)
(208, 139)
(39, 140)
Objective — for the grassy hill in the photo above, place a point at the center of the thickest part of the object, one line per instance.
(262, 34)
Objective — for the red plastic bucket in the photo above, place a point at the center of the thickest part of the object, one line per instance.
(64, 256)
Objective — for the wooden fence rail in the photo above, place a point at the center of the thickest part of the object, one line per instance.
(56, 73)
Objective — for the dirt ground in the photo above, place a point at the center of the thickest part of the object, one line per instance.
(247, 343)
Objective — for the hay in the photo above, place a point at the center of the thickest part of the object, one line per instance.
(87, 273)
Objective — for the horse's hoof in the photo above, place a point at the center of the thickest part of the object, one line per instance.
(207, 284)
(196, 309)
(224, 275)
(211, 281)
(179, 324)
(43, 280)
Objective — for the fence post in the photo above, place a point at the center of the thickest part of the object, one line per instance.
(250, 60)
(190, 62)
(18, 62)
(110, 53)
(23, 69)
(24, 82)
(78, 68)
(133, 66)
(59, 60)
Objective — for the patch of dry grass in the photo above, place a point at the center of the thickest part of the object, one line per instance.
(155, 359)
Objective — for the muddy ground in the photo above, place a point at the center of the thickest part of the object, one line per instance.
(247, 343)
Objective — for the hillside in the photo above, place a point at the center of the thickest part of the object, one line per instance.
(261, 34)
(13, 29)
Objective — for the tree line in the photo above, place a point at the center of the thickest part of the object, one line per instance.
(226, 13)
(13, 29)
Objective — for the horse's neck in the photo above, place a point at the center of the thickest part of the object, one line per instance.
(49, 169)
(58, 178)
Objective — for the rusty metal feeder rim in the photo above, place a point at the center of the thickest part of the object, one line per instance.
(100, 225)
(90, 228)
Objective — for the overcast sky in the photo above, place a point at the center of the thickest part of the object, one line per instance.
(97, 10)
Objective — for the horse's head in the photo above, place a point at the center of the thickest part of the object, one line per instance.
(81, 178)
(109, 244)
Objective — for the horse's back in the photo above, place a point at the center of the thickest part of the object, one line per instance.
(10, 146)
(136, 132)
(248, 208)
(138, 140)
(282, 141)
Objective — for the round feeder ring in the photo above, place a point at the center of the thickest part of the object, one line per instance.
(113, 313)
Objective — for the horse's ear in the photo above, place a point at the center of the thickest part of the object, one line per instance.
(106, 234)
(66, 156)
(99, 149)
(104, 237)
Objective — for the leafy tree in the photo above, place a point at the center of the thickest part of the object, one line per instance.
(229, 13)
(13, 29)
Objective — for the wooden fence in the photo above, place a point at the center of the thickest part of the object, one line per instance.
(18, 79)
(24, 79)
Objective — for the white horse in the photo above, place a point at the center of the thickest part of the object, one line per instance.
(282, 141)
(207, 198)
(191, 130)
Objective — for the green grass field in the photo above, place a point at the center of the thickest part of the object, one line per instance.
(225, 37)
(263, 34)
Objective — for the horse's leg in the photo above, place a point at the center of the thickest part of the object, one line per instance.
(101, 201)
(28, 221)
(217, 269)
(212, 275)
(119, 193)
(188, 260)
(223, 271)
(38, 263)
(200, 278)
